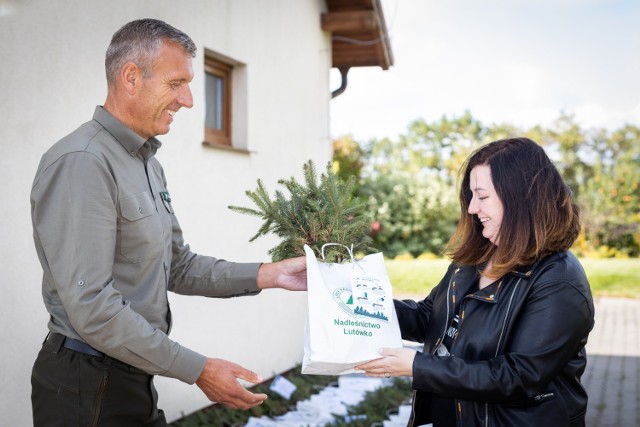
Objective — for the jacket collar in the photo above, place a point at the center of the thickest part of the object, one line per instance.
(527, 271)
(465, 277)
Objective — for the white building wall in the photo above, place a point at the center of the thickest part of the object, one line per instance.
(51, 79)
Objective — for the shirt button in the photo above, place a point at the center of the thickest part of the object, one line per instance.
(80, 282)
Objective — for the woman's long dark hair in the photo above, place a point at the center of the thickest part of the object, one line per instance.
(540, 215)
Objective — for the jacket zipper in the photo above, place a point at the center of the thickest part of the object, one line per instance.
(504, 322)
(435, 347)
(450, 297)
(504, 325)
(412, 418)
(458, 405)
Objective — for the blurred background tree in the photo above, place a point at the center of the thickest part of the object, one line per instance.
(410, 183)
(611, 195)
(348, 158)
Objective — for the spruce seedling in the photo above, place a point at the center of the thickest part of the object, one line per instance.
(314, 212)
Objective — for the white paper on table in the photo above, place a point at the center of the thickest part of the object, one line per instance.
(283, 387)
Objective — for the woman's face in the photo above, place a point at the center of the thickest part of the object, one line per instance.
(485, 203)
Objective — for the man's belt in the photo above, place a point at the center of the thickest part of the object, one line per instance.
(77, 345)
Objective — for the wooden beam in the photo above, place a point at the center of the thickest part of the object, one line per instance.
(384, 48)
(357, 20)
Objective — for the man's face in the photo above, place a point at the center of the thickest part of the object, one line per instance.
(162, 94)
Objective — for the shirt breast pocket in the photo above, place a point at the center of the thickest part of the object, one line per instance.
(140, 228)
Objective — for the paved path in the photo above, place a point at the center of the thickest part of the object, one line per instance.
(612, 378)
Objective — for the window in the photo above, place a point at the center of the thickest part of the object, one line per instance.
(217, 101)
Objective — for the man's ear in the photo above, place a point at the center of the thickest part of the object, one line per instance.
(130, 75)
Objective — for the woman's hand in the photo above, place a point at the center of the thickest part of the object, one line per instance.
(395, 362)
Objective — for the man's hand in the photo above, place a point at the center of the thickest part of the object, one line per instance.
(290, 274)
(219, 382)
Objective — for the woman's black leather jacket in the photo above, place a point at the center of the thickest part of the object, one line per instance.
(520, 349)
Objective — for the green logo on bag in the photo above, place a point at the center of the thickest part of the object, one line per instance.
(344, 298)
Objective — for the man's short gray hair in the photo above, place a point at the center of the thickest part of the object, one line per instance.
(140, 42)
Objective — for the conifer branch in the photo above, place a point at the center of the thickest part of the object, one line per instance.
(314, 213)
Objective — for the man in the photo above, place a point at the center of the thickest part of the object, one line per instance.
(111, 247)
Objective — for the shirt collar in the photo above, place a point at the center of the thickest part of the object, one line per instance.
(130, 141)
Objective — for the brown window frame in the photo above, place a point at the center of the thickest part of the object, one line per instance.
(224, 71)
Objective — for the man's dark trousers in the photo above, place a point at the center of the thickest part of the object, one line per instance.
(73, 388)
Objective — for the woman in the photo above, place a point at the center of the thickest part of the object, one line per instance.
(504, 331)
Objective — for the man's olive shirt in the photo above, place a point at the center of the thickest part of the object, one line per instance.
(111, 247)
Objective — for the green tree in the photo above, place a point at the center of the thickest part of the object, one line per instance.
(348, 158)
(573, 147)
(410, 183)
(611, 196)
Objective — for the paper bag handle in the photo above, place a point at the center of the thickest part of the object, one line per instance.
(349, 249)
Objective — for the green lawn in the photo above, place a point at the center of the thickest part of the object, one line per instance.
(608, 277)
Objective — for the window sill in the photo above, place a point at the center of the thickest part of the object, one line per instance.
(226, 147)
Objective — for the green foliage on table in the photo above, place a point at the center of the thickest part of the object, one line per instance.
(377, 405)
(275, 405)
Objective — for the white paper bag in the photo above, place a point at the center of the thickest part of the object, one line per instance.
(351, 314)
